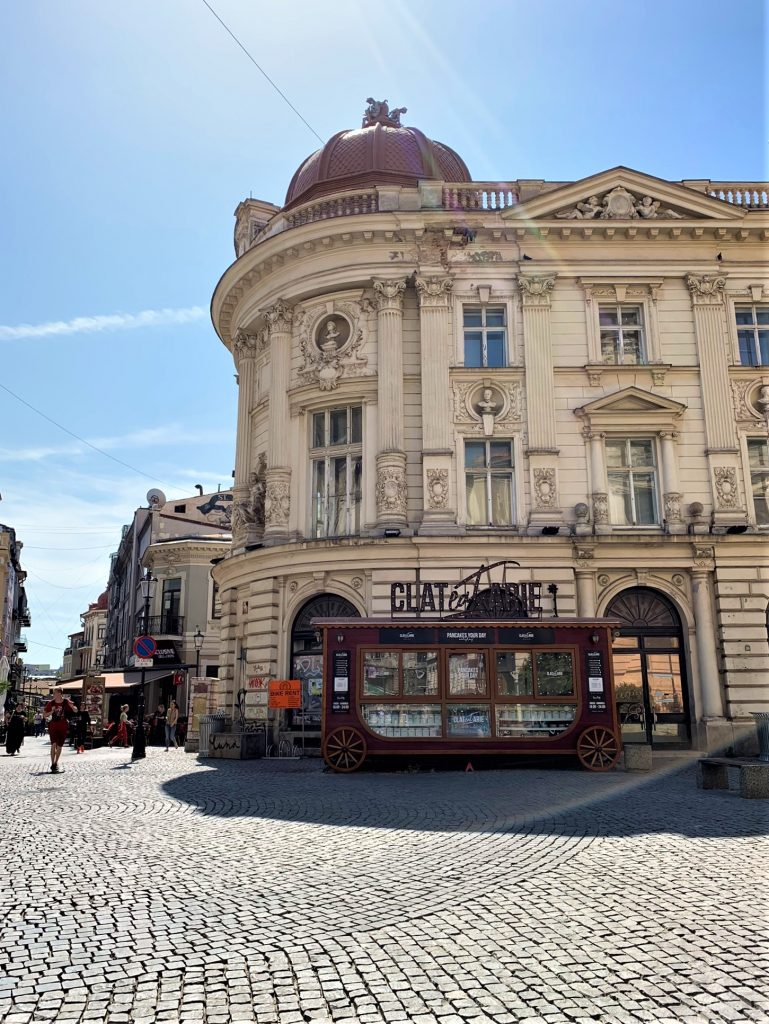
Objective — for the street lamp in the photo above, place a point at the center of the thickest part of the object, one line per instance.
(147, 585)
(198, 639)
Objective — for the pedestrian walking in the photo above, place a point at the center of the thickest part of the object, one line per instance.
(81, 731)
(14, 732)
(39, 723)
(60, 709)
(171, 719)
(121, 736)
(159, 731)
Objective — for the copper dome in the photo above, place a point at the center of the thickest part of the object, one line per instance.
(382, 153)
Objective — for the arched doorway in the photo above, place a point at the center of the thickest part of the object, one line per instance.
(649, 669)
(307, 655)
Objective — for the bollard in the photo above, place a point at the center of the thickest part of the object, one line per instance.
(762, 727)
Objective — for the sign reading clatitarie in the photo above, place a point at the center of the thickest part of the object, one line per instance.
(487, 593)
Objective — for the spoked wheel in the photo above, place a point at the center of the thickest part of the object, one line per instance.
(598, 749)
(345, 749)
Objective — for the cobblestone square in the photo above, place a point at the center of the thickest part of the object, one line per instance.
(179, 891)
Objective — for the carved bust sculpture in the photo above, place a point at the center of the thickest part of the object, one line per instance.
(487, 409)
(329, 341)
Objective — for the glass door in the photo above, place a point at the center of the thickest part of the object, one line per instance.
(651, 700)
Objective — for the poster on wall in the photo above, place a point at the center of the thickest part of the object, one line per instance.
(93, 702)
(309, 669)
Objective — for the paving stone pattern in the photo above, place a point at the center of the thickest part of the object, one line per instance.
(193, 892)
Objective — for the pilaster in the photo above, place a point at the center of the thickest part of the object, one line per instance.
(440, 514)
(278, 476)
(711, 701)
(391, 489)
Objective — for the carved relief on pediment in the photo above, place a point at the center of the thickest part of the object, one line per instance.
(619, 204)
(330, 339)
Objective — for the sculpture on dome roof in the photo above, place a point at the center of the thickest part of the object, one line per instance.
(378, 112)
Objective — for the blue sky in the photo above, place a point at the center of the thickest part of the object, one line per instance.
(132, 130)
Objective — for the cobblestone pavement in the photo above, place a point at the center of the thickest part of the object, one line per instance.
(183, 891)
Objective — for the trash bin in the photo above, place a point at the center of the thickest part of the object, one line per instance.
(762, 727)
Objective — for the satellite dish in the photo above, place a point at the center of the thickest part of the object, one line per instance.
(155, 497)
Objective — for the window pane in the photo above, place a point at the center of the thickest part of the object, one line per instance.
(758, 456)
(338, 421)
(631, 315)
(475, 455)
(641, 453)
(495, 349)
(338, 498)
(620, 511)
(609, 347)
(403, 719)
(763, 347)
(555, 674)
(643, 485)
(477, 513)
(420, 673)
(743, 314)
(356, 418)
(380, 673)
(473, 349)
(615, 454)
(758, 453)
(500, 456)
(318, 429)
(495, 316)
(355, 495)
(472, 316)
(516, 721)
(319, 497)
(467, 674)
(501, 501)
(660, 641)
(631, 347)
(471, 720)
(514, 678)
(762, 315)
(746, 342)
(607, 316)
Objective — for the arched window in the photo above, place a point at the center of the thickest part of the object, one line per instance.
(307, 653)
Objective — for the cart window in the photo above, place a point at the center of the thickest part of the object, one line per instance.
(471, 720)
(380, 673)
(514, 678)
(555, 674)
(403, 720)
(467, 674)
(541, 720)
(420, 673)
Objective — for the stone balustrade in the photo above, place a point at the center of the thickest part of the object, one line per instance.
(346, 204)
(480, 195)
(752, 195)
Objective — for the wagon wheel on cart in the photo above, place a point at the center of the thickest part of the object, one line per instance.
(598, 749)
(345, 749)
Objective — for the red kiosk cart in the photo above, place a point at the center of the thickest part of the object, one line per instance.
(489, 677)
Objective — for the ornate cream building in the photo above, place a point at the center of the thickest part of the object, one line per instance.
(436, 373)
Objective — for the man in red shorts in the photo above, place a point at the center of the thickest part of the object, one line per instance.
(61, 709)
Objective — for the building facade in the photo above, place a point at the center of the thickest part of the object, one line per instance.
(437, 374)
(14, 610)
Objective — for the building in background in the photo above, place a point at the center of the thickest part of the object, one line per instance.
(14, 612)
(436, 374)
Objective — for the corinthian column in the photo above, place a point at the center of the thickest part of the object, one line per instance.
(540, 396)
(707, 293)
(439, 488)
(277, 502)
(705, 638)
(391, 490)
(245, 350)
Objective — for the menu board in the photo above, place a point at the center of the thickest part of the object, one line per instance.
(93, 703)
(596, 694)
(340, 694)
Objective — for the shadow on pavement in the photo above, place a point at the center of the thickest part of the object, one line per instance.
(543, 800)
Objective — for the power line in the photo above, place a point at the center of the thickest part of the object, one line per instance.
(83, 440)
(263, 72)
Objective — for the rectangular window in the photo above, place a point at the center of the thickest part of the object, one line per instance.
(420, 673)
(172, 596)
(336, 471)
(632, 478)
(485, 335)
(753, 334)
(514, 676)
(467, 675)
(622, 334)
(489, 482)
(380, 674)
(470, 720)
(758, 459)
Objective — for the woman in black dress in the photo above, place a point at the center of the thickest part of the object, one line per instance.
(14, 734)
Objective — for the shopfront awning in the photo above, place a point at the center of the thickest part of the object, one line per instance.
(118, 680)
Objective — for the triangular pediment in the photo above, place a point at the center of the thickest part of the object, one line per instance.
(633, 401)
(622, 194)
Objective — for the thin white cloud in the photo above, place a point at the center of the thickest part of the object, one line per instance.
(111, 322)
(172, 433)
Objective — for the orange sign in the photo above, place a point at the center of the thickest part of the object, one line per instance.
(285, 693)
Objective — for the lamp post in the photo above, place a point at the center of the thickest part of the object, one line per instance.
(198, 639)
(147, 585)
